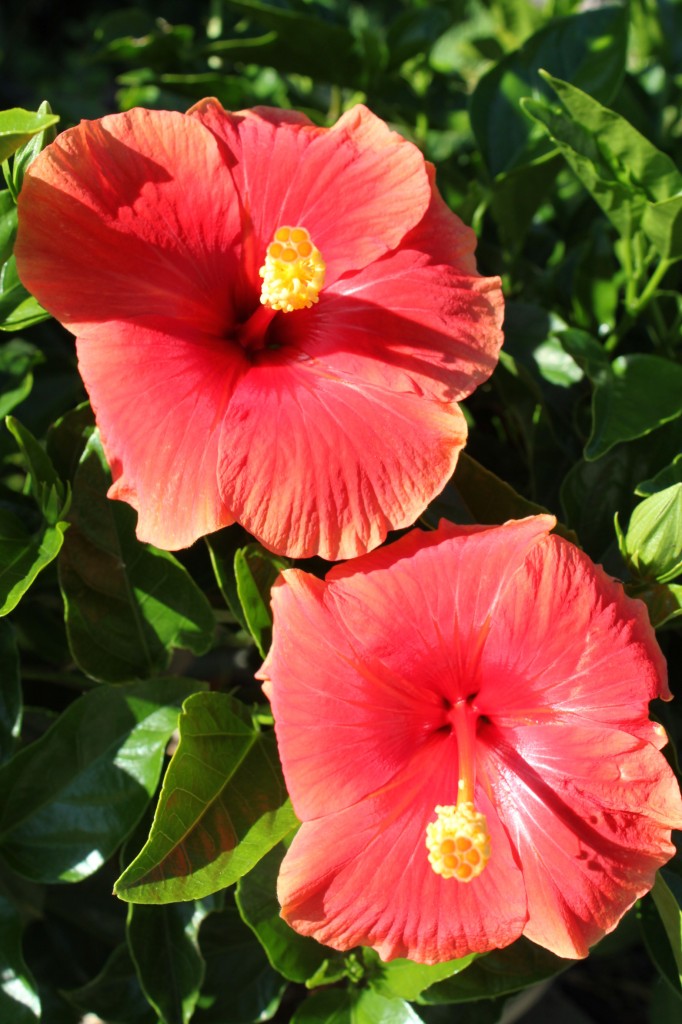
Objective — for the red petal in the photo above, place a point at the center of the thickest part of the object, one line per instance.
(589, 812)
(567, 638)
(117, 221)
(159, 399)
(311, 464)
(357, 187)
(405, 326)
(361, 876)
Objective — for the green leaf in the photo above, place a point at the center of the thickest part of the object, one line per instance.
(403, 979)
(588, 48)
(17, 126)
(632, 397)
(240, 985)
(69, 799)
(294, 956)
(669, 475)
(658, 914)
(25, 156)
(114, 995)
(222, 807)
(255, 571)
(23, 555)
(354, 1006)
(127, 604)
(18, 309)
(652, 546)
(10, 691)
(635, 184)
(163, 943)
(19, 1000)
(17, 359)
(663, 601)
(498, 973)
(52, 496)
(293, 41)
(8, 225)
(222, 548)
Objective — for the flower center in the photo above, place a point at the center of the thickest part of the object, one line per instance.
(458, 840)
(293, 272)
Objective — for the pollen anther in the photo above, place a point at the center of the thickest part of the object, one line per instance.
(458, 842)
(293, 272)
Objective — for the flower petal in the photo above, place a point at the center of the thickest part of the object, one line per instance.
(315, 465)
(358, 187)
(403, 325)
(567, 637)
(589, 812)
(118, 221)
(159, 399)
(361, 876)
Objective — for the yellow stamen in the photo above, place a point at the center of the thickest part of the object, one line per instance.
(293, 272)
(458, 842)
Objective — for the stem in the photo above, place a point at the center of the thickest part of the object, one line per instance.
(636, 307)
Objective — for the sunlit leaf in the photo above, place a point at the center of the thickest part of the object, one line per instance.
(255, 571)
(222, 807)
(70, 798)
(652, 546)
(17, 126)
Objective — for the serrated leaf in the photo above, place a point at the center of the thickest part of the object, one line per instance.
(163, 943)
(127, 604)
(652, 545)
(588, 48)
(17, 126)
(255, 571)
(19, 999)
(70, 798)
(10, 691)
(294, 956)
(222, 807)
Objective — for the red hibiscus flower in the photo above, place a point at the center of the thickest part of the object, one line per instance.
(274, 321)
(463, 723)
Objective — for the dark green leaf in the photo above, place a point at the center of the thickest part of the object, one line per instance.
(222, 807)
(663, 601)
(652, 546)
(69, 799)
(657, 939)
(662, 224)
(18, 309)
(637, 394)
(240, 984)
(10, 691)
(498, 973)
(115, 995)
(23, 555)
(667, 897)
(52, 496)
(127, 604)
(17, 359)
(19, 1000)
(17, 126)
(588, 48)
(294, 41)
(295, 956)
(222, 548)
(255, 571)
(163, 943)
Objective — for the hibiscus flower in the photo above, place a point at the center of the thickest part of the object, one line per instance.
(274, 321)
(462, 718)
